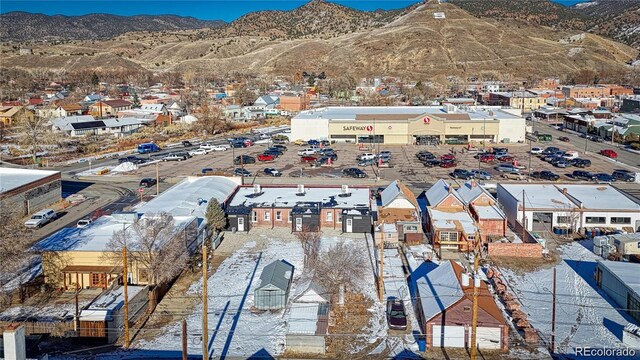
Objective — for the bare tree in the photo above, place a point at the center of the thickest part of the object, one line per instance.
(310, 245)
(34, 131)
(14, 243)
(153, 243)
(342, 265)
(210, 119)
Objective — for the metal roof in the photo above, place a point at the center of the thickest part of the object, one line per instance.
(626, 272)
(277, 274)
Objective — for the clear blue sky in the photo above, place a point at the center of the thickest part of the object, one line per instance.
(227, 10)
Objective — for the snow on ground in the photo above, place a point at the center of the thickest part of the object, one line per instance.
(95, 170)
(585, 316)
(125, 167)
(234, 330)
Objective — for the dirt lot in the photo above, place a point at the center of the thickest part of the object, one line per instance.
(405, 165)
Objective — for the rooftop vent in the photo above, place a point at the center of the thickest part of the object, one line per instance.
(301, 190)
(257, 189)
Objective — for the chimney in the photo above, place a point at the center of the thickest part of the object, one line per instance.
(301, 189)
(345, 189)
(464, 279)
(449, 189)
(564, 191)
(472, 183)
(14, 343)
(257, 189)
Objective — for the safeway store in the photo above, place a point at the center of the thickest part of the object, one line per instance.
(408, 125)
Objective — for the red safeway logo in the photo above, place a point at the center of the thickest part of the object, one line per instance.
(426, 120)
(369, 128)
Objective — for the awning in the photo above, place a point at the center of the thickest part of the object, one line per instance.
(85, 269)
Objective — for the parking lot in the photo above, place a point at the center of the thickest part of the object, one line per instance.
(403, 165)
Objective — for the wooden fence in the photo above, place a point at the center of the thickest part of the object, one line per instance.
(57, 329)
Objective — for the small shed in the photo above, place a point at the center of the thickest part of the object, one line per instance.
(275, 282)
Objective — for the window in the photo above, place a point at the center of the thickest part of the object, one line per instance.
(563, 219)
(278, 215)
(254, 216)
(389, 235)
(98, 280)
(595, 220)
(339, 220)
(409, 228)
(329, 216)
(448, 236)
(289, 216)
(267, 216)
(621, 220)
(143, 276)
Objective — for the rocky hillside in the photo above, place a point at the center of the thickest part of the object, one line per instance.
(19, 26)
(415, 44)
(616, 19)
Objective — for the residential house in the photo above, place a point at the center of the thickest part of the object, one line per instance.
(92, 98)
(155, 108)
(399, 216)
(11, 114)
(484, 209)
(275, 283)
(109, 107)
(630, 104)
(267, 102)
(625, 126)
(444, 306)
(76, 256)
(85, 124)
(448, 225)
(300, 208)
(567, 208)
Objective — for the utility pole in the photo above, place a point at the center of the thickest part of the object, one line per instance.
(185, 354)
(553, 315)
(524, 217)
(205, 305)
(126, 298)
(381, 272)
(77, 320)
(474, 316)
(157, 178)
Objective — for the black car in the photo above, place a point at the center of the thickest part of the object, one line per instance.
(432, 163)
(462, 174)
(273, 152)
(545, 175)
(132, 159)
(186, 143)
(241, 172)
(244, 159)
(624, 175)
(603, 178)
(280, 146)
(183, 153)
(581, 163)
(272, 172)
(582, 175)
(426, 156)
(237, 144)
(354, 173)
(148, 182)
(550, 150)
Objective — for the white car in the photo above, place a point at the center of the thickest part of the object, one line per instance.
(223, 147)
(308, 151)
(83, 223)
(41, 218)
(366, 157)
(198, 152)
(536, 150)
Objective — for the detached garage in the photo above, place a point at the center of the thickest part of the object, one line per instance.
(445, 309)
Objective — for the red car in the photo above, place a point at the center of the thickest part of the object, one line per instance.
(248, 143)
(564, 138)
(487, 158)
(447, 157)
(506, 158)
(308, 159)
(266, 157)
(447, 164)
(609, 153)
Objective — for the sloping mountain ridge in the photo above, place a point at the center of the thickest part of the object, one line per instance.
(20, 26)
(414, 44)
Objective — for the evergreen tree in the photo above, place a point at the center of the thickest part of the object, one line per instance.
(136, 100)
(215, 216)
(95, 80)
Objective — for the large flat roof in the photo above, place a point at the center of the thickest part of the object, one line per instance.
(350, 113)
(287, 196)
(626, 272)
(600, 197)
(539, 196)
(12, 178)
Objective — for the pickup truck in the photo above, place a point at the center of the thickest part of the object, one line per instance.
(41, 218)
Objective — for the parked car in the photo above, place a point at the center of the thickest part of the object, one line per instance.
(396, 314)
(513, 176)
(432, 163)
(366, 156)
(272, 172)
(244, 159)
(200, 151)
(279, 146)
(581, 163)
(487, 158)
(505, 158)
(83, 223)
(624, 175)
(147, 182)
(582, 175)
(507, 168)
(462, 174)
(367, 162)
(385, 153)
(545, 175)
(221, 147)
(564, 139)
(308, 159)
(300, 142)
(447, 157)
(421, 153)
(609, 153)
(135, 159)
(307, 151)
(354, 173)
(425, 156)
(570, 155)
(595, 138)
(174, 157)
(603, 178)
(447, 164)
(205, 171)
(41, 218)
(248, 142)
(536, 150)
(241, 172)
(500, 150)
(186, 143)
(237, 144)
(183, 153)
(561, 163)
(550, 150)
(313, 142)
(480, 174)
(266, 157)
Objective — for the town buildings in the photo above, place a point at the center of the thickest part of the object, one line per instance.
(399, 216)
(104, 108)
(25, 191)
(10, 114)
(523, 100)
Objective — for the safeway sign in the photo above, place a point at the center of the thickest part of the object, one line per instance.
(426, 120)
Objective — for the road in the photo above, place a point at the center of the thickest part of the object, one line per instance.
(624, 156)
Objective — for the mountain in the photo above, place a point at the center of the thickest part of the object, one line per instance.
(412, 43)
(616, 19)
(20, 26)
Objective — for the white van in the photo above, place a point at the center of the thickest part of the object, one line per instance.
(40, 218)
(570, 155)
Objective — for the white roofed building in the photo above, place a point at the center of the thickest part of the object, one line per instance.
(25, 191)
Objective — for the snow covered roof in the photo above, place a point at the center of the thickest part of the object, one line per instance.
(459, 220)
(350, 113)
(102, 307)
(303, 318)
(439, 289)
(314, 293)
(289, 196)
(439, 192)
(599, 197)
(470, 191)
(12, 178)
(395, 189)
(157, 108)
(625, 272)
(539, 196)
(489, 212)
(115, 122)
(278, 274)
